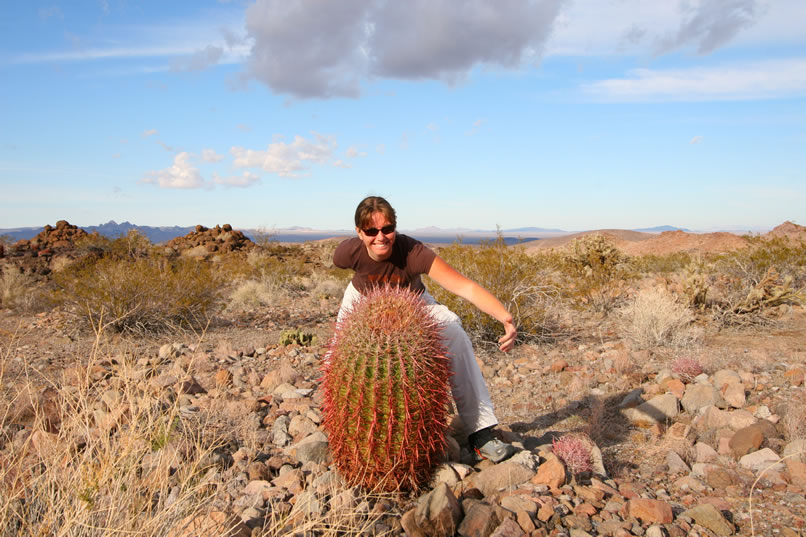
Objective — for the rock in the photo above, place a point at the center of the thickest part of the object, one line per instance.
(479, 521)
(409, 525)
(705, 453)
(550, 473)
(746, 440)
(257, 471)
(711, 418)
(724, 377)
(699, 396)
(650, 511)
(508, 528)
(223, 379)
(720, 478)
(733, 394)
(518, 503)
(761, 460)
(659, 409)
(795, 453)
(673, 386)
(438, 513)
(675, 464)
(445, 473)
(795, 376)
(740, 418)
(501, 477)
(317, 452)
(708, 516)
(632, 399)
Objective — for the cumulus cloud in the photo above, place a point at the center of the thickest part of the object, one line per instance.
(150, 132)
(322, 49)
(209, 155)
(242, 181)
(181, 175)
(199, 60)
(771, 79)
(696, 140)
(709, 24)
(286, 159)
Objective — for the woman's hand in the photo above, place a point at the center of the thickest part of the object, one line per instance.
(507, 342)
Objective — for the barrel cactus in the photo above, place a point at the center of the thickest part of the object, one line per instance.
(385, 385)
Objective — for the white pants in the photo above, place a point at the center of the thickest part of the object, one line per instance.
(469, 390)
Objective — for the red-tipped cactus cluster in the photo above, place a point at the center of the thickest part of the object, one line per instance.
(386, 382)
(575, 451)
(687, 369)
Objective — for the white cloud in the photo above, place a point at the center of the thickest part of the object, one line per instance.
(340, 164)
(150, 132)
(209, 155)
(476, 127)
(322, 49)
(181, 175)
(168, 148)
(242, 181)
(380, 148)
(50, 11)
(696, 140)
(199, 60)
(433, 127)
(286, 159)
(753, 80)
(353, 152)
(709, 24)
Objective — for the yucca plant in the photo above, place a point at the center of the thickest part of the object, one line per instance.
(385, 388)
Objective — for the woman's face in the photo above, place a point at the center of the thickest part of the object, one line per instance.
(378, 247)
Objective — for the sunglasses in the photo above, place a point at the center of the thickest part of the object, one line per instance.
(386, 230)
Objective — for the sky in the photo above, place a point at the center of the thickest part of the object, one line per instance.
(463, 114)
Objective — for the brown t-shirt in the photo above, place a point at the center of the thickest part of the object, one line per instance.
(409, 259)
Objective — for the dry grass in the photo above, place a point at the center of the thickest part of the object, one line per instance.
(655, 319)
(81, 461)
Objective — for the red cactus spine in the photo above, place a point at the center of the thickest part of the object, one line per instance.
(385, 388)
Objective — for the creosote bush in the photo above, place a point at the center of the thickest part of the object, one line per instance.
(19, 291)
(523, 283)
(139, 295)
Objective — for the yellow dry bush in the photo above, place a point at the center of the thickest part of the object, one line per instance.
(653, 318)
(20, 291)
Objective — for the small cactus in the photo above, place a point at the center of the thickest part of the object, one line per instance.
(385, 389)
(686, 369)
(575, 451)
(303, 339)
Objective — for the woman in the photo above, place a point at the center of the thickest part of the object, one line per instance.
(380, 256)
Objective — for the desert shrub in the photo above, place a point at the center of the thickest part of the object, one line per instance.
(575, 451)
(148, 294)
(654, 318)
(661, 264)
(20, 291)
(598, 271)
(521, 282)
(687, 368)
(132, 244)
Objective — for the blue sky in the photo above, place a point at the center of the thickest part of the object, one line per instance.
(473, 114)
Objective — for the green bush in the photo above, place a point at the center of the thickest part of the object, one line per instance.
(521, 282)
(147, 294)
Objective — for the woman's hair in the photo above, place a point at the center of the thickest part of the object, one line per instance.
(371, 205)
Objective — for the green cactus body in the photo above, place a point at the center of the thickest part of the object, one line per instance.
(385, 383)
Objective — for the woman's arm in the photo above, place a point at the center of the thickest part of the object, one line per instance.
(449, 278)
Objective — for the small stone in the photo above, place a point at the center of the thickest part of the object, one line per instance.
(699, 396)
(438, 513)
(708, 516)
(479, 520)
(650, 511)
(746, 440)
(550, 473)
(760, 460)
(733, 393)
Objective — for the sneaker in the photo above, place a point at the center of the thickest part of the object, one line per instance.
(495, 450)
